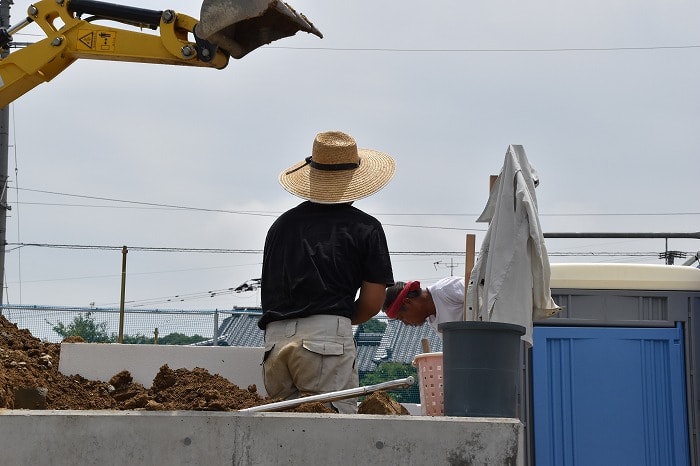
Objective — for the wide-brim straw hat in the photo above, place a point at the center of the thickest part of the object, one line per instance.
(337, 171)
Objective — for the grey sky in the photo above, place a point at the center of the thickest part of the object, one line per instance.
(603, 97)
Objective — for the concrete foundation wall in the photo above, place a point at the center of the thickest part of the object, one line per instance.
(101, 361)
(196, 438)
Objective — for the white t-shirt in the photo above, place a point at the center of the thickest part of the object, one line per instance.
(448, 296)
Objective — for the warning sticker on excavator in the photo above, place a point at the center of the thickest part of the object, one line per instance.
(102, 41)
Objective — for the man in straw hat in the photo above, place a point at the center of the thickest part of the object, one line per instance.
(317, 256)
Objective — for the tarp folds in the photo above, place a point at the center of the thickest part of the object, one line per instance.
(510, 279)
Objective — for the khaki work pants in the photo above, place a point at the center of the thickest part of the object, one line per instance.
(309, 356)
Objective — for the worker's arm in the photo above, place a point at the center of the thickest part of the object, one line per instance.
(369, 303)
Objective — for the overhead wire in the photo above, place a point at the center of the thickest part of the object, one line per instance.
(209, 294)
(275, 213)
(231, 290)
(486, 50)
(260, 251)
(153, 204)
(178, 298)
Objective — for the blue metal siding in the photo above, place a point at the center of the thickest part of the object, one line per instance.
(609, 396)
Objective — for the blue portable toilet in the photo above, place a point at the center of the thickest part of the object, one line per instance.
(610, 375)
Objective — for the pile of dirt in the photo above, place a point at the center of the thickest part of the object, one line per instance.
(381, 403)
(29, 378)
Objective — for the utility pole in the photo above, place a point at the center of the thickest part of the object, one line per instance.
(4, 144)
(451, 266)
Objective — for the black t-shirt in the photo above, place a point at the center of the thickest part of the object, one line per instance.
(315, 259)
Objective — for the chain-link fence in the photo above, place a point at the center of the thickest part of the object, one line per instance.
(151, 323)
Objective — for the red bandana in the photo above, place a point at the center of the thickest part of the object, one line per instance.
(393, 310)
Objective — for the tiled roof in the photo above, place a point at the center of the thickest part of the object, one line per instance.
(367, 344)
(399, 342)
(239, 329)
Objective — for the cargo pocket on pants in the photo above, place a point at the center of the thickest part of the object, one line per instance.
(266, 354)
(270, 384)
(324, 348)
(318, 368)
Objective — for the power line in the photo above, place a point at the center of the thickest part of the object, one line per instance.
(542, 50)
(255, 284)
(275, 213)
(138, 248)
(249, 285)
(15, 44)
(260, 251)
(181, 297)
(447, 50)
(153, 204)
(383, 214)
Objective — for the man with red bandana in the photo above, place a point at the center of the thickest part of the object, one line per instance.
(438, 303)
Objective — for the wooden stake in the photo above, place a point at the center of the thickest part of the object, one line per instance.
(468, 266)
(471, 253)
(492, 181)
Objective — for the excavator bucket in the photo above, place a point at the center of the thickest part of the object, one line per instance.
(240, 26)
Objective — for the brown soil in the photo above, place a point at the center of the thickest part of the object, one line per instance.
(381, 403)
(28, 363)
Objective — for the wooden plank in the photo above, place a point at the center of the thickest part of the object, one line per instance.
(468, 266)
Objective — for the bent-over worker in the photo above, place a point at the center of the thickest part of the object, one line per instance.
(438, 303)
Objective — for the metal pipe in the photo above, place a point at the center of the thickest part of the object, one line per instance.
(216, 327)
(692, 235)
(6, 33)
(12, 29)
(116, 12)
(123, 296)
(331, 396)
(693, 259)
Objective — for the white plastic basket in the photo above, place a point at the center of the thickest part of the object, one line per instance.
(429, 367)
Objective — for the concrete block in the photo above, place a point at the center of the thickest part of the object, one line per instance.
(226, 438)
(101, 361)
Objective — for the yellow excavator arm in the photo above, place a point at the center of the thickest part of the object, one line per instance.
(229, 28)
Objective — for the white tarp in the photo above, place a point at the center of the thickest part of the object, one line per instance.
(510, 279)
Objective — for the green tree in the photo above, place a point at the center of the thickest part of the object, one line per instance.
(179, 339)
(391, 371)
(373, 326)
(169, 339)
(84, 326)
(137, 339)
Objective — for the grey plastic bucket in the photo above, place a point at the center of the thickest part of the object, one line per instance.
(481, 368)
